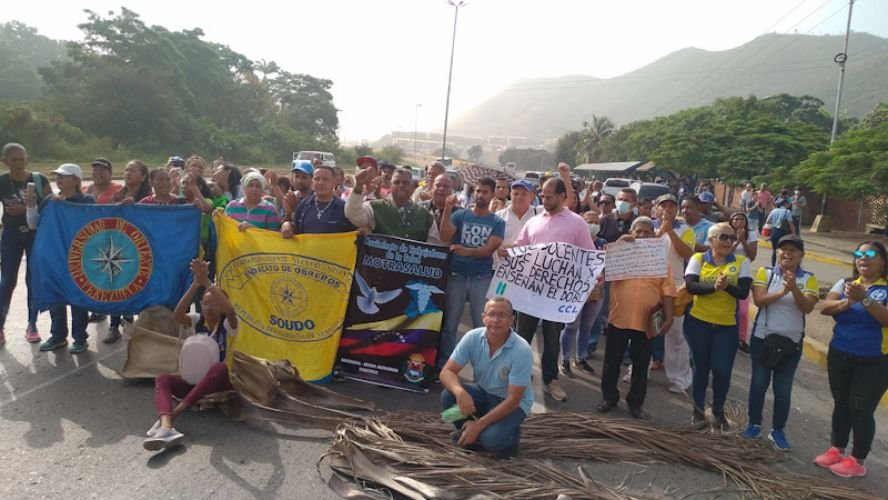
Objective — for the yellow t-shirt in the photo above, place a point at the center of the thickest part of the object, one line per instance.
(719, 308)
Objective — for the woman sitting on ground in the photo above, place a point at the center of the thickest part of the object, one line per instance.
(216, 319)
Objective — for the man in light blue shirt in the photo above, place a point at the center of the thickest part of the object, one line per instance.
(501, 396)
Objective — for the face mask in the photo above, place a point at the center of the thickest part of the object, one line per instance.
(593, 230)
(623, 207)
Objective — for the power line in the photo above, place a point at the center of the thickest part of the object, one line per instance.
(704, 82)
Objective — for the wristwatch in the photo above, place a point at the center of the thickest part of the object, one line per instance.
(867, 302)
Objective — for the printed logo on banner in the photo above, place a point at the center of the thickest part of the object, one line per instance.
(501, 288)
(110, 260)
(278, 276)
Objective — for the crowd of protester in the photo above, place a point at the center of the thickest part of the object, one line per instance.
(703, 301)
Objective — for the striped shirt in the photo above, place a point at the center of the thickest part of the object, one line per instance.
(264, 215)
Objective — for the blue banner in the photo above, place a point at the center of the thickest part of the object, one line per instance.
(113, 259)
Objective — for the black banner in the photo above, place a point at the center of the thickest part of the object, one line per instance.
(395, 311)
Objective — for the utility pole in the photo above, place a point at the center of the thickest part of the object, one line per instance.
(415, 126)
(841, 58)
(457, 5)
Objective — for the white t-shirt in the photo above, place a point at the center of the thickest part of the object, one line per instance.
(514, 223)
(783, 316)
(751, 238)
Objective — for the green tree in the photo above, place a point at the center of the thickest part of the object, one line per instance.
(475, 153)
(528, 159)
(391, 153)
(566, 149)
(856, 165)
(591, 136)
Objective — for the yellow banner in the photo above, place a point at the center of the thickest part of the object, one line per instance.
(290, 295)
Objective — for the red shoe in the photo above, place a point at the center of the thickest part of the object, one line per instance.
(848, 467)
(831, 457)
(656, 365)
(31, 335)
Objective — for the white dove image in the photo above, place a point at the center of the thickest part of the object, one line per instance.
(369, 297)
(423, 294)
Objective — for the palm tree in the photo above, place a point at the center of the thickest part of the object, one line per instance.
(591, 137)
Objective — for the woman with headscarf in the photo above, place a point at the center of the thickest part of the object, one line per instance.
(857, 361)
(252, 210)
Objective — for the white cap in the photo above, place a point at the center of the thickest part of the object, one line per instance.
(69, 169)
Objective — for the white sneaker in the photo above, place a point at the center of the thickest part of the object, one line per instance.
(674, 388)
(153, 430)
(163, 439)
(555, 391)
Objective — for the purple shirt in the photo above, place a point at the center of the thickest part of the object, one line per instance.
(563, 227)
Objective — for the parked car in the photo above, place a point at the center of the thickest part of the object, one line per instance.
(649, 190)
(328, 158)
(613, 185)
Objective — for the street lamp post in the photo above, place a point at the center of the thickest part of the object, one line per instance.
(415, 126)
(456, 5)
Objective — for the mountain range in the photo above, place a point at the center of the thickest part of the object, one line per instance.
(546, 108)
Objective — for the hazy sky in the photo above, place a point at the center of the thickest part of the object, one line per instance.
(387, 56)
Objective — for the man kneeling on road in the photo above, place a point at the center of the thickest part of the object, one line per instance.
(501, 396)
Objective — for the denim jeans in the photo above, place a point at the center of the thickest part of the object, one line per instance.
(713, 348)
(601, 321)
(797, 222)
(13, 246)
(580, 330)
(761, 379)
(857, 384)
(616, 342)
(458, 286)
(59, 327)
(527, 326)
(500, 437)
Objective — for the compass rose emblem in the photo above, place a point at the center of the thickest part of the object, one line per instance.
(110, 260)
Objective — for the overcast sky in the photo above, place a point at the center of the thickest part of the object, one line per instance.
(387, 56)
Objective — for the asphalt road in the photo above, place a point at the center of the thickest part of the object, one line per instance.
(71, 428)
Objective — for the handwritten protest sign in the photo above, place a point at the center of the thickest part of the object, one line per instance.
(550, 281)
(645, 258)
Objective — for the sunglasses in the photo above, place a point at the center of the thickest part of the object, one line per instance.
(606, 202)
(869, 254)
(727, 237)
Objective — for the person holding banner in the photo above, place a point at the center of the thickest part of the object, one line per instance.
(320, 212)
(556, 224)
(399, 216)
(476, 233)
(633, 304)
(68, 178)
(216, 319)
(718, 279)
(252, 210)
(495, 405)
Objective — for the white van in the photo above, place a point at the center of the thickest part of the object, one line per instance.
(328, 158)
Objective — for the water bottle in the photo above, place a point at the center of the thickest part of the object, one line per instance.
(452, 414)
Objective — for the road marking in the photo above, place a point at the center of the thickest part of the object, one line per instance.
(16, 396)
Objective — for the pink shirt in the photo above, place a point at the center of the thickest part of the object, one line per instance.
(564, 227)
(764, 197)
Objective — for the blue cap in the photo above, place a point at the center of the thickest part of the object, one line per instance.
(303, 166)
(706, 197)
(521, 183)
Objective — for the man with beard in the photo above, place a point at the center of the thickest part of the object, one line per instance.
(556, 224)
(476, 233)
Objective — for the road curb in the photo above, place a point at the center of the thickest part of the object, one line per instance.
(814, 256)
